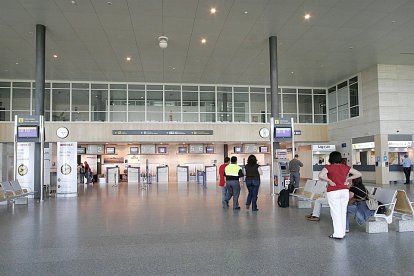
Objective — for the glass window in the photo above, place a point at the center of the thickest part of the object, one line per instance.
(320, 119)
(319, 91)
(190, 117)
(136, 116)
(354, 111)
(241, 103)
(117, 116)
(208, 101)
(80, 116)
(4, 84)
(99, 104)
(80, 100)
(172, 102)
(4, 104)
(154, 104)
(289, 104)
(136, 100)
(289, 90)
(118, 101)
(353, 94)
(60, 85)
(60, 104)
(21, 99)
(208, 117)
(303, 118)
(319, 104)
(305, 104)
(190, 100)
(225, 104)
(305, 91)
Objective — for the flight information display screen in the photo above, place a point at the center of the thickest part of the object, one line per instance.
(28, 132)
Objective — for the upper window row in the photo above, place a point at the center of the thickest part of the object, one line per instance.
(162, 103)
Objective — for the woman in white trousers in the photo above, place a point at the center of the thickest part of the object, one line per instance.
(338, 176)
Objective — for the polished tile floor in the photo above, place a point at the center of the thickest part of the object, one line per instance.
(181, 229)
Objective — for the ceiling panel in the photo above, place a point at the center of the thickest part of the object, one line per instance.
(93, 38)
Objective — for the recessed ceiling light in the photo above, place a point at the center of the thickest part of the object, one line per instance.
(109, 3)
(30, 33)
(351, 47)
(394, 21)
(245, 12)
(173, 68)
(17, 63)
(213, 10)
(203, 41)
(73, 2)
(307, 16)
(55, 56)
(292, 72)
(128, 58)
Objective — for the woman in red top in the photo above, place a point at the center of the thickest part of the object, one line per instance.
(338, 178)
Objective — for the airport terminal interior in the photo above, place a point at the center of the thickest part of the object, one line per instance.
(115, 117)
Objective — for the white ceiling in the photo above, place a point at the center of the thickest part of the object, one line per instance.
(92, 39)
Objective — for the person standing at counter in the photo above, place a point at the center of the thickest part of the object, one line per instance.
(407, 168)
(294, 170)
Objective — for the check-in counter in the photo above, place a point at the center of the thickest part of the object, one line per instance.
(112, 175)
(397, 174)
(182, 174)
(367, 171)
(133, 174)
(162, 174)
(211, 174)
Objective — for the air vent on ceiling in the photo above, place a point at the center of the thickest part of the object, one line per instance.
(407, 53)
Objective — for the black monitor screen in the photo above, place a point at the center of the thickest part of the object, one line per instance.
(28, 132)
(283, 167)
(263, 149)
(182, 149)
(81, 150)
(162, 149)
(283, 132)
(238, 149)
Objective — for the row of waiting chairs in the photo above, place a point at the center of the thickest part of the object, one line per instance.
(11, 190)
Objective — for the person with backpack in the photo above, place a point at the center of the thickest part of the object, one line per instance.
(337, 175)
(357, 206)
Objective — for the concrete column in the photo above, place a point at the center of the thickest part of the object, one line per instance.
(39, 102)
(381, 150)
(273, 76)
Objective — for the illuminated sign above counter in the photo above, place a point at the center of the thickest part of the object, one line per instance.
(161, 132)
(399, 144)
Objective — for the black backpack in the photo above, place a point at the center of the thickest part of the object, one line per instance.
(283, 199)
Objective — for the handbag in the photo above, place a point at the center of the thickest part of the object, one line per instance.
(372, 203)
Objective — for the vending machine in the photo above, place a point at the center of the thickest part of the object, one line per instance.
(282, 176)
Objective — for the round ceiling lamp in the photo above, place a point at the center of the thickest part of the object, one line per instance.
(163, 42)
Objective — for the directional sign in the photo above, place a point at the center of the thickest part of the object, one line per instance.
(161, 132)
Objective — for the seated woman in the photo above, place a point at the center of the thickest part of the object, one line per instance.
(358, 194)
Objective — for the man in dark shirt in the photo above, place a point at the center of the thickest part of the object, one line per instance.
(294, 169)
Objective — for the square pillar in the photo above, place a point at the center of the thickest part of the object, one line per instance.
(381, 153)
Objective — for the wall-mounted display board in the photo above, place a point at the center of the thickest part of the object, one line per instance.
(134, 150)
(81, 150)
(237, 149)
(182, 149)
(196, 148)
(147, 149)
(110, 150)
(95, 149)
(162, 150)
(263, 149)
(209, 149)
(250, 148)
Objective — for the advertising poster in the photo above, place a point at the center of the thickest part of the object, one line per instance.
(66, 169)
(25, 165)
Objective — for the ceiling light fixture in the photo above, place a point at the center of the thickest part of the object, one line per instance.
(73, 2)
(203, 41)
(55, 56)
(213, 10)
(109, 3)
(245, 12)
(17, 63)
(128, 58)
(307, 16)
(163, 42)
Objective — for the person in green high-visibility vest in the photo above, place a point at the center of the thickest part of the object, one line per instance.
(234, 175)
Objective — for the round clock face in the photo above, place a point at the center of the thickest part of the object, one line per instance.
(62, 132)
(22, 170)
(65, 169)
(264, 132)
